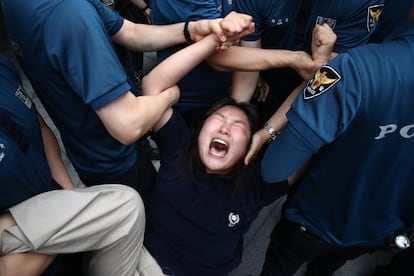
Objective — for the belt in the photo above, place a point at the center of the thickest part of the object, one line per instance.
(401, 240)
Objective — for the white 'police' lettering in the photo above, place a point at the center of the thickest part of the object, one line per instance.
(405, 132)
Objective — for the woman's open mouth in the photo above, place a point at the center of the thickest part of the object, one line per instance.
(218, 147)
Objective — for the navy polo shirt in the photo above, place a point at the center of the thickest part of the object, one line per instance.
(277, 23)
(23, 166)
(197, 228)
(204, 85)
(65, 49)
(357, 190)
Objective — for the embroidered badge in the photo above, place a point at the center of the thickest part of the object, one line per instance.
(233, 219)
(320, 20)
(373, 15)
(322, 81)
(21, 94)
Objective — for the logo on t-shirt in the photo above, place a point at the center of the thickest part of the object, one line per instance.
(322, 81)
(233, 219)
(2, 151)
(373, 15)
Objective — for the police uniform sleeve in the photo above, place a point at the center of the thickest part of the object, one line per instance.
(322, 112)
(330, 99)
(357, 23)
(79, 46)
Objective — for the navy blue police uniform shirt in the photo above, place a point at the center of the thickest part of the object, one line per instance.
(65, 49)
(355, 116)
(392, 21)
(23, 166)
(204, 85)
(283, 25)
(198, 228)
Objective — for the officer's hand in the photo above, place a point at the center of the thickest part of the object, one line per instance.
(259, 138)
(305, 66)
(323, 41)
(228, 29)
(262, 90)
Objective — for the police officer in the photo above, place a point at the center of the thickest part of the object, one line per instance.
(352, 123)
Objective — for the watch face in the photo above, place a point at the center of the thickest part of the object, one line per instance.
(402, 241)
(269, 129)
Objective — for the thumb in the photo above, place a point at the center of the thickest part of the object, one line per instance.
(249, 156)
(217, 29)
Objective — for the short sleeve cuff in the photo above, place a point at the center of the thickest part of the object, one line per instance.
(109, 97)
(309, 134)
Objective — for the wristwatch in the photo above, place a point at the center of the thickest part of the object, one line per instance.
(272, 132)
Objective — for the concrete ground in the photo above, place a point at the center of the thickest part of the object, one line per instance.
(257, 238)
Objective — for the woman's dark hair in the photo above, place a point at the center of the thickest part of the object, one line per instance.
(191, 155)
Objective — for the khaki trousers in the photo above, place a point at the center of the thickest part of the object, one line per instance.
(108, 221)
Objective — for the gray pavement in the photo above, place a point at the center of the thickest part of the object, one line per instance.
(257, 238)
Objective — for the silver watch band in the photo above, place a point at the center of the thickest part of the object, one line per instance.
(272, 132)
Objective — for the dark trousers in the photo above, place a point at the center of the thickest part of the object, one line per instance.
(402, 264)
(141, 177)
(291, 245)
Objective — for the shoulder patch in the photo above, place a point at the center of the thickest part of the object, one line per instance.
(325, 78)
(373, 15)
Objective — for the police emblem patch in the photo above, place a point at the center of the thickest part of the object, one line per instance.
(325, 78)
(373, 15)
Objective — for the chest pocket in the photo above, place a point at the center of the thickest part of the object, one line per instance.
(277, 32)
